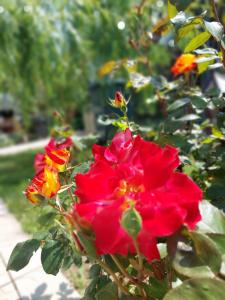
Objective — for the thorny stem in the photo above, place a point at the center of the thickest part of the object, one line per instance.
(216, 16)
(124, 272)
(116, 280)
(69, 190)
(122, 269)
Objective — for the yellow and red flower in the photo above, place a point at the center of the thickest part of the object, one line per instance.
(45, 184)
(185, 63)
(47, 165)
(56, 155)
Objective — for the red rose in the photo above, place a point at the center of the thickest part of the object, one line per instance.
(132, 170)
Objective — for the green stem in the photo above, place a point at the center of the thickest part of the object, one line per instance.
(140, 259)
(116, 280)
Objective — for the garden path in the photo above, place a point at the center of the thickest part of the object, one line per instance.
(31, 283)
(14, 149)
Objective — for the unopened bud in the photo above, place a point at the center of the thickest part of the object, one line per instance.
(119, 100)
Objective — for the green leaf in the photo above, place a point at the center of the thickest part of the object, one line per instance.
(52, 256)
(40, 235)
(219, 240)
(181, 4)
(205, 248)
(203, 66)
(131, 222)
(187, 264)
(22, 254)
(213, 220)
(198, 289)
(109, 291)
(184, 30)
(94, 271)
(216, 29)
(197, 41)
(81, 169)
(172, 11)
(156, 288)
(187, 118)
(47, 218)
(88, 244)
(178, 103)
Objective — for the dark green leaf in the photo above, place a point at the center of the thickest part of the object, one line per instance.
(156, 288)
(88, 244)
(22, 254)
(187, 118)
(181, 4)
(52, 256)
(109, 291)
(178, 103)
(94, 271)
(205, 248)
(198, 289)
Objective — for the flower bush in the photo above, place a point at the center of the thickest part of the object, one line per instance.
(135, 212)
(135, 176)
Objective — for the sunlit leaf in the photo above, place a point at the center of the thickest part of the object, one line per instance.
(197, 41)
(216, 29)
(198, 288)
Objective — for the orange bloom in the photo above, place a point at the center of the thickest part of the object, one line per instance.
(45, 184)
(184, 64)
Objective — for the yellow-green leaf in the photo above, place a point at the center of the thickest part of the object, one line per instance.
(172, 11)
(197, 41)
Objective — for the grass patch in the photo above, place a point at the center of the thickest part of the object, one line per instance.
(15, 172)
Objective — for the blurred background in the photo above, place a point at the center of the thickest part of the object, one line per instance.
(71, 56)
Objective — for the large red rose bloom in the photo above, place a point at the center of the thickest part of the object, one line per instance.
(132, 170)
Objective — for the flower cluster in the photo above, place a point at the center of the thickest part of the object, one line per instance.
(132, 172)
(47, 166)
(185, 63)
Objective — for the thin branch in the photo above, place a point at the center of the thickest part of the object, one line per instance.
(216, 16)
(116, 280)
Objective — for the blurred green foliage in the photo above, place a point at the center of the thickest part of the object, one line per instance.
(51, 50)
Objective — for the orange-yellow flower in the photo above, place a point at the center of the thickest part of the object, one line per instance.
(56, 156)
(184, 64)
(45, 184)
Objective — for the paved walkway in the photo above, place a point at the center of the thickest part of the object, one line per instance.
(11, 150)
(31, 283)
